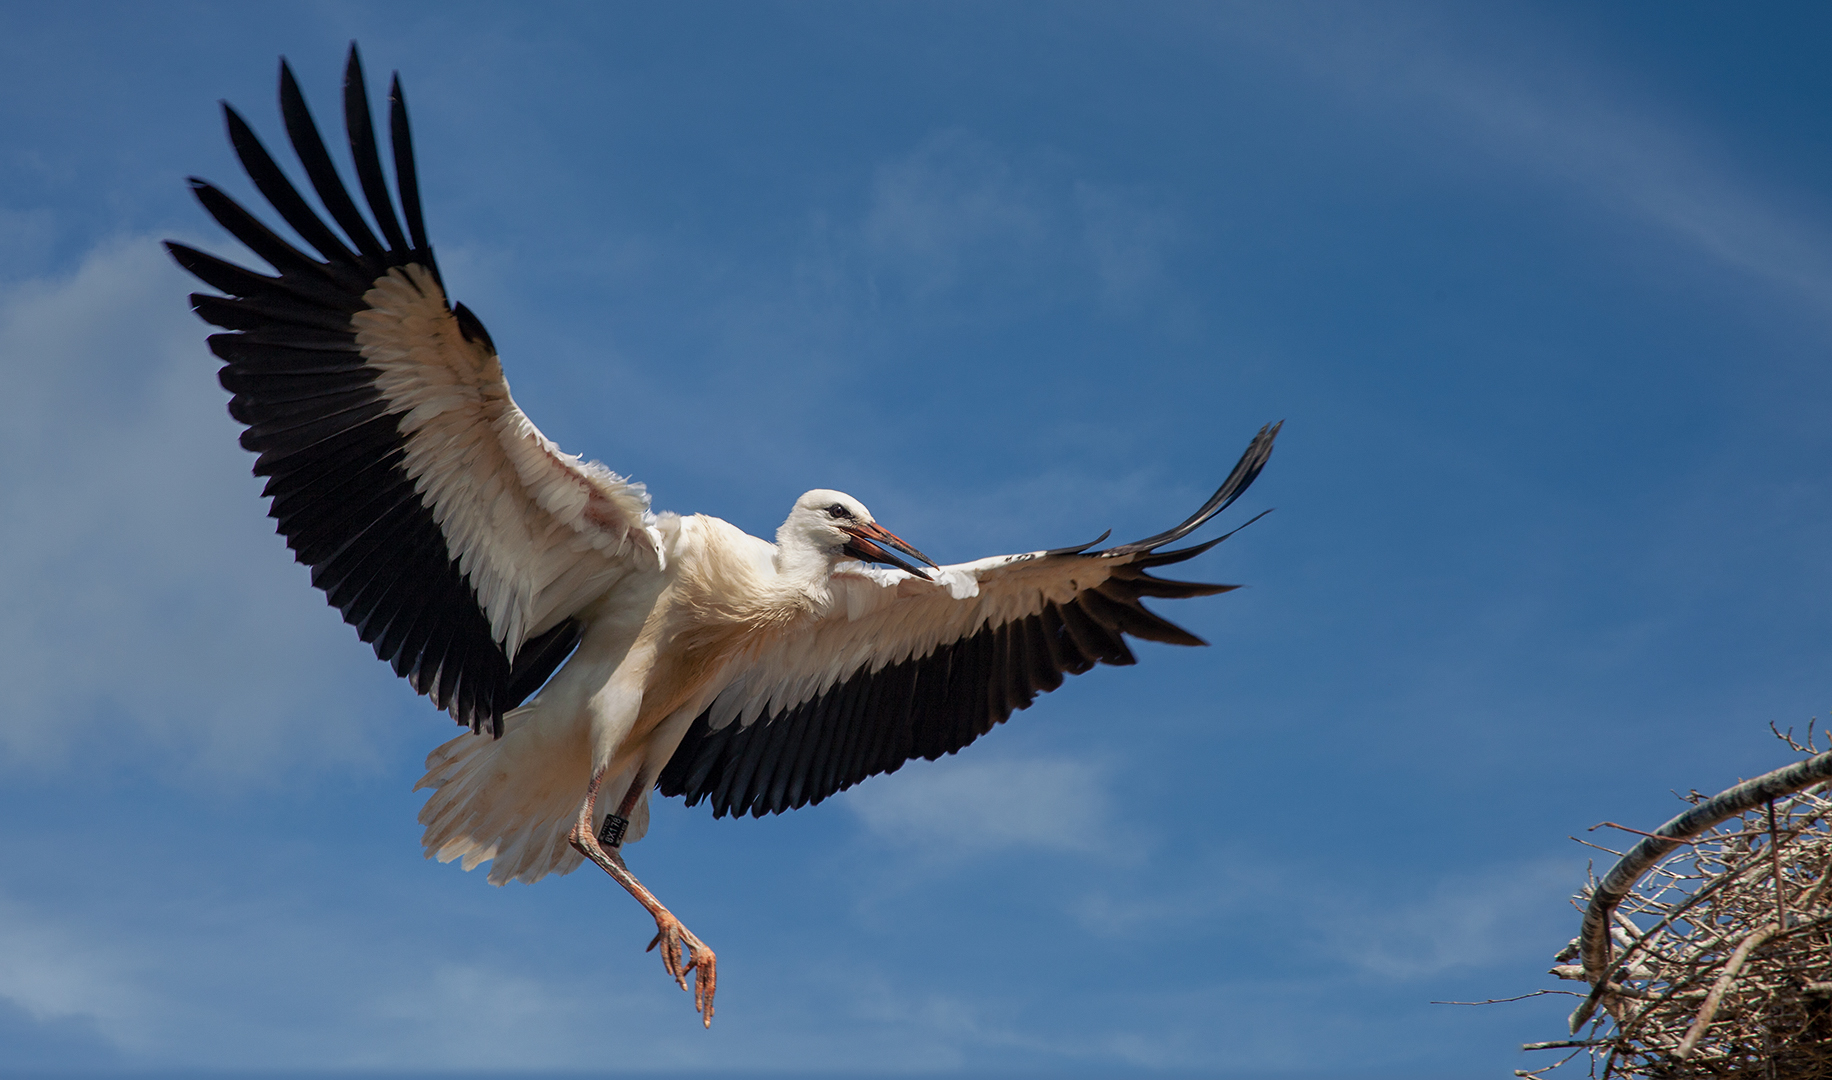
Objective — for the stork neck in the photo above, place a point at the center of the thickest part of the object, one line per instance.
(802, 569)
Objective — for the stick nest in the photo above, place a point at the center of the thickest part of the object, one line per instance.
(1722, 962)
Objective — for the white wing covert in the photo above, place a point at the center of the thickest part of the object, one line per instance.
(903, 668)
(455, 537)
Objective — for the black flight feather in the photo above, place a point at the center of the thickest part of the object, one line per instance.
(328, 443)
(361, 128)
(303, 132)
(872, 722)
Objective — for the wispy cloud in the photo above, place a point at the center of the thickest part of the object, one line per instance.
(1566, 119)
(1356, 922)
(1015, 222)
(1129, 237)
(250, 984)
(472, 1015)
(967, 807)
(53, 972)
(1222, 887)
(143, 595)
(1459, 921)
(954, 205)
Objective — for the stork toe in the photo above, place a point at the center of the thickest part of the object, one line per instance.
(683, 953)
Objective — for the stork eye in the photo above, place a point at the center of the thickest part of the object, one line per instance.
(838, 511)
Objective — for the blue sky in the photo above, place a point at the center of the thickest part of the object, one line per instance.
(1543, 292)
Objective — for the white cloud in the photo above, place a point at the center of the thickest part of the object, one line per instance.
(1468, 921)
(472, 1015)
(1357, 921)
(1226, 887)
(980, 806)
(1127, 238)
(1013, 223)
(937, 1027)
(1562, 118)
(54, 973)
(143, 595)
(251, 984)
(952, 204)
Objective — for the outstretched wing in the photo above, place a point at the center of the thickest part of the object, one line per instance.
(454, 536)
(905, 668)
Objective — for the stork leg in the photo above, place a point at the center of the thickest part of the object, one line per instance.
(682, 952)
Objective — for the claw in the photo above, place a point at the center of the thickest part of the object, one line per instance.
(705, 983)
(683, 954)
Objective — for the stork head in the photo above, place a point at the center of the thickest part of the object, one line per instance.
(838, 526)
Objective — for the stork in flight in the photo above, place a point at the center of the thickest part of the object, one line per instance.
(592, 646)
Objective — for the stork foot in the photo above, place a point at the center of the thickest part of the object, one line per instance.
(684, 954)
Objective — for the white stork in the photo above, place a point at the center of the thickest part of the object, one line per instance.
(588, 643)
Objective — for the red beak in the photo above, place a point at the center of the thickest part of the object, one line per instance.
(865, 542)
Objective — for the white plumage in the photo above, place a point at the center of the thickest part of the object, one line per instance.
(535, 530)
(588, 643)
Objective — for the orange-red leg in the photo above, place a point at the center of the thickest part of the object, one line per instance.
(682, 952)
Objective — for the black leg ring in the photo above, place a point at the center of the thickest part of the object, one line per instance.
(610, 835)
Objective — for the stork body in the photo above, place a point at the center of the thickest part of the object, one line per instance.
(594, 649)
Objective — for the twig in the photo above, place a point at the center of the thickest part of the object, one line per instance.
(1812, 896)
(1625, 828)
(1774, 854)
(1719, 970)
(1708, 1011)
(1594, 933)
(1707, 891)
(1534, 1074)
(1564, 1044)
(1497, 1001)
(1599, 847)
